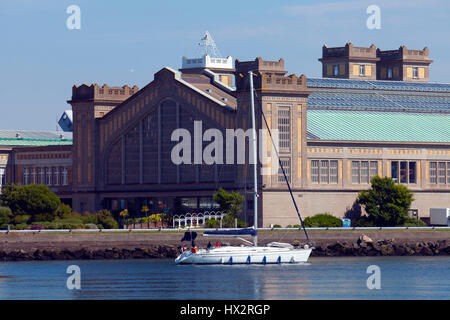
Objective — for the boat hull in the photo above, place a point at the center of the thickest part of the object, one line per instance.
(244, 255)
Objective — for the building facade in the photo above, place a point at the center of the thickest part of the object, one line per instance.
(334, 134)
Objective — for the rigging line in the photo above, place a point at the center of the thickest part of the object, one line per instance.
(282, 168)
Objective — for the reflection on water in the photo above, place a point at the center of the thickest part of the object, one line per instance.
(321, 278)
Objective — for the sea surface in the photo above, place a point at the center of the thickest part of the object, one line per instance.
(320, 278)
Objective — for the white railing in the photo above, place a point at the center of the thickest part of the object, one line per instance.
(195, 218)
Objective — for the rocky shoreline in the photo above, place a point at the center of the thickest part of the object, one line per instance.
(80, 247)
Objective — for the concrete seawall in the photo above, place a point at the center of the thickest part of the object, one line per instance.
(17, 247)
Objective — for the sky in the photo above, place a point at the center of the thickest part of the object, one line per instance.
(127, 42)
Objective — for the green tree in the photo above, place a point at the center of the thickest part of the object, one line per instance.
(5, 216)
(229, 202)
(386, 202)
(35, 200)
(124, 214)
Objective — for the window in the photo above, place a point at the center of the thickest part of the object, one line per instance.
(32, 175)
(55, 176)
(25, 176)
(335, 70)
(364, 171)
(284, 129)
(439, 172)
(404, 171)
(286, 163)
(362, 70)
(389, 72)
(324, 171)
(2, 177)
(65, 177)
(48, 176)
(415, 72)
(39, 176)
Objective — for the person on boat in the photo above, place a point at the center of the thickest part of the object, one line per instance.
(209, 246)
(218, 244)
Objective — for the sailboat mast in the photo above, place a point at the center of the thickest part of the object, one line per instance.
(255, 161)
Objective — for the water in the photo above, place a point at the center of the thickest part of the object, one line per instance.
(321, 278)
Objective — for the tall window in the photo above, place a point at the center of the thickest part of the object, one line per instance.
(65, 177)
(2, 177)
(389, 72)
(415, 72)
(286, 162)
(39, 176)
(55, 176)
(284, 129)
(364, 171)
(362, 69)
(324, 171)
(404, 171)
(32, 175)
(25, 180)
(439, 172)
(48, 176)
(335, 70)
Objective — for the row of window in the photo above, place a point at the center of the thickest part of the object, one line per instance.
(326, 171)
(50, 176)
(440, 172)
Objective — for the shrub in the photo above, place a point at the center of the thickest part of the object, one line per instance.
(322, 220)
(5, 215)
(276, 226)
(21, 219)
(212, 223)
(21, 226)
(413, 222)
(228, 222)
(363, 222)
(64, 211)
(34, 199)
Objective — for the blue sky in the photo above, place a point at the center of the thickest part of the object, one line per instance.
(126, 42)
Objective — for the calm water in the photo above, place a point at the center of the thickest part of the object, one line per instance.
(321, 278)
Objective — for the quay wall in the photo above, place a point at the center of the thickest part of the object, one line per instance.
(19, 247)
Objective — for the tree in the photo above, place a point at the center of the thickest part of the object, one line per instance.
(5, 216)
(124, 213)
(35, 200)
(386, 203)
(229, 202)
(145, 209)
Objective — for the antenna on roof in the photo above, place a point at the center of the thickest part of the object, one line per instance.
(208, 46)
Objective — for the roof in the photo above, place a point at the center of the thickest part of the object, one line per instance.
(34, 138)
(391, 111)
(342, 125)
(378, 85)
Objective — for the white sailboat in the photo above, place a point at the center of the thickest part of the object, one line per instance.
(272, 253)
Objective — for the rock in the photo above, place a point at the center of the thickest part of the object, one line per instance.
(364, 238)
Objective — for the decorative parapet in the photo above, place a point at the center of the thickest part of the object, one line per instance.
(349, 51)
(105, 92)
(260, 65)
(403, 53)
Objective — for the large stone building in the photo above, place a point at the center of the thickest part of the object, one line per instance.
(372, 113)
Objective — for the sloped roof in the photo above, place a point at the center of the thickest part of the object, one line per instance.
(34, 138)
(361, 110)
(378, 85)
(341, 125)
